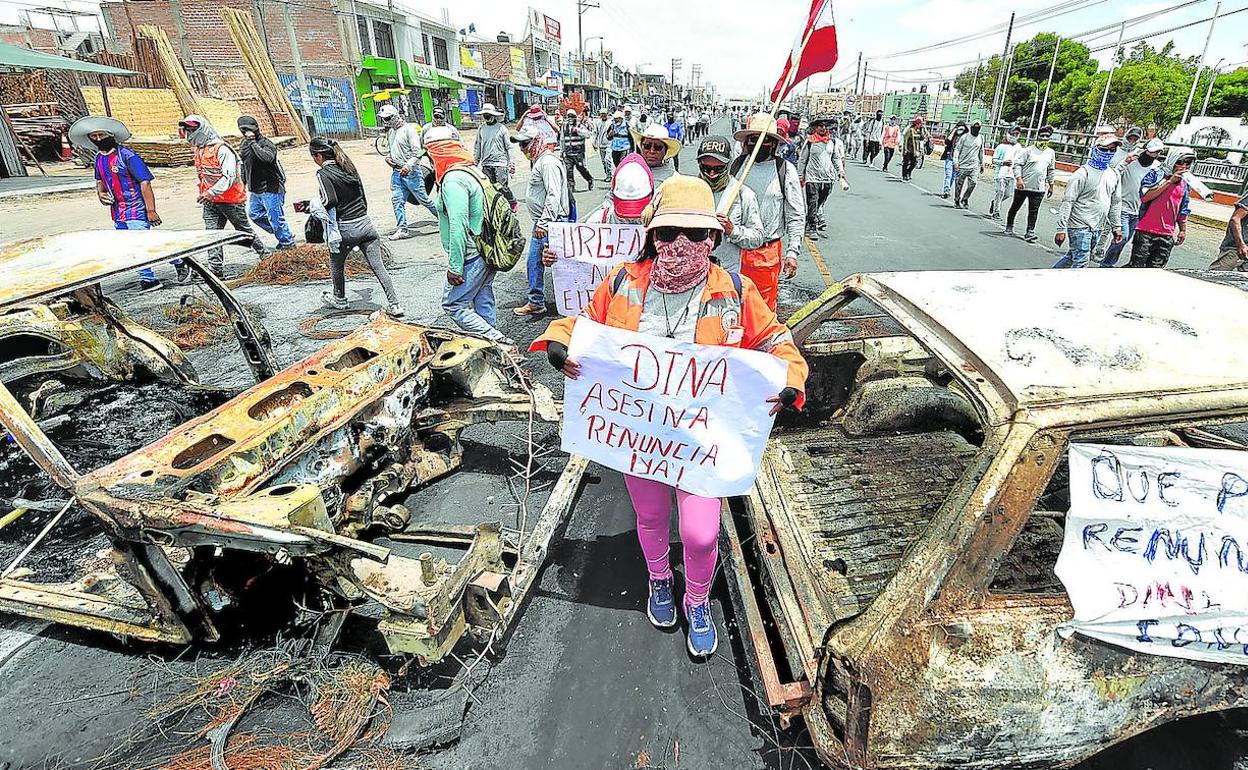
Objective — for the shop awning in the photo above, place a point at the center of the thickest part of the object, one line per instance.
(418, 75)
(16, 56)
(546, 92)
(454, 81)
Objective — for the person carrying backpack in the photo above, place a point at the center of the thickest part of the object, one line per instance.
(469, 294)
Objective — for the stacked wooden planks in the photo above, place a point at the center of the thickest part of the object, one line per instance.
(188, 100)
(256, 60)
(177, 152)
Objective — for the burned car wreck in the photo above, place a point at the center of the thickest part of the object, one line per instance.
(894, 563)
(205, 490)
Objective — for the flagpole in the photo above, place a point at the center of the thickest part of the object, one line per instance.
(725, 205)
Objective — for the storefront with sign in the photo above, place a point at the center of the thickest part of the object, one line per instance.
(378, 83)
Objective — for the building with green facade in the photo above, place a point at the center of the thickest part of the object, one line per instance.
(955, 111)
(906, 105)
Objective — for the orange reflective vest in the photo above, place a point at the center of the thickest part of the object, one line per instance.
(722, 316)
(208, 165)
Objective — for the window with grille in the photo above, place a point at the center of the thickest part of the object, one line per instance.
(366, 42)
(440, 58)
(383, 39)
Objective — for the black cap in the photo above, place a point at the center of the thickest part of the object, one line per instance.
(717, 147)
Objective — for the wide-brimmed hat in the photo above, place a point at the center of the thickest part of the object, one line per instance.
(656, 131)
(760, 123)
(489, 109)
(683, 201)
(632, 186)
(80, 132)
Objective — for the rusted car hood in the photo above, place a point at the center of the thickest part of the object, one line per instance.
(57, 264)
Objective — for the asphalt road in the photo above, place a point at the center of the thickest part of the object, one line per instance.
(585, 681)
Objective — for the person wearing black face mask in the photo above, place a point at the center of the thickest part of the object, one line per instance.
(1132, 169)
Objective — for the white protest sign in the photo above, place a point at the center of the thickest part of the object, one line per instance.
(1155, 556)
(586, 253)
(692, 416)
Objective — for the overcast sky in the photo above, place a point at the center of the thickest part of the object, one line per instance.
(741, 44)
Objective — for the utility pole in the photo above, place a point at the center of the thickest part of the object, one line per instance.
(1000, 87)
(581, 7)
(1005, 89)
(857, 72)
(676, 64)
(398, 52)
(1213, 76)
(1044, 105)
(1187, 110)
(974, 83)
(1109, 80)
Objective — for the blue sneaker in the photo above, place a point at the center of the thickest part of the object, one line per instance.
(661, 609)
(702, 636)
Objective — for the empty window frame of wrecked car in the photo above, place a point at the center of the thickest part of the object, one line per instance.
(902, 532)
(302, 471)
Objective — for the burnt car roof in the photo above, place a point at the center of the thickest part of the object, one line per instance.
(55, 264)
(1054, 338)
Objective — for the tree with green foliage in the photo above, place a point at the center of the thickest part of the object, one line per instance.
(1230, 94)
(1149, 88)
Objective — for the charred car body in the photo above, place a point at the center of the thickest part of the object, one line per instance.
(304, 468)
(902, 536)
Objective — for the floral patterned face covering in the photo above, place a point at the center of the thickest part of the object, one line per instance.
(681, 264)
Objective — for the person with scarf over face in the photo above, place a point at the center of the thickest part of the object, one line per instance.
(221, 190)
(1131, 168)
(821, 165)
(123, 183)
(1035, 168)
(912, 140)
(947, 157)
(968, 164)
(548, 200)
(406, 177)
(1165, 202)
(347, 224)
(572, 136)
(266, 182)
(781, 205)
(469, 294)
(873, 133)
(743, 224)
(602, 140)
(492, 152)
(890, 137)
(632, 189)
(1003, 173)
(1092, 205)
(675, 291)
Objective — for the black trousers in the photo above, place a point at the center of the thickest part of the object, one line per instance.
(1150, 249)
(816, 195)
(574, 162)
(1033, 198)
(870, 150)
(888, 156)
(908, 162)
(617, 156)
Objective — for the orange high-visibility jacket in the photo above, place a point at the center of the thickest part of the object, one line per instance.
(208, 164)
(720, 312)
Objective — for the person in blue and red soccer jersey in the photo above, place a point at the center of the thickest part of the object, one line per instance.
(123, 183)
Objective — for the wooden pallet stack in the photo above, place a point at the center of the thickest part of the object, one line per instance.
(258, 66)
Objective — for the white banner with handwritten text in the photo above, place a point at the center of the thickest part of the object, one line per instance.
(1155, 556)
(586, 253)
(692, 416)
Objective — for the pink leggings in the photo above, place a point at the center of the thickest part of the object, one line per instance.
(699, 533)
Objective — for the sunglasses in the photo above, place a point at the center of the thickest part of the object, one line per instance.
(712, 170)
(657, 146)
(669, 234)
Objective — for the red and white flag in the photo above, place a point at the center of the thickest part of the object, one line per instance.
(817, 55)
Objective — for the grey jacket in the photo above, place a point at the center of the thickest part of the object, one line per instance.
(492, 146)
(873, 130)
(968, 153)
(822, 161)
(1093, 200)
(747, 227)
(1036, 168)
(547, 197)
(405, 146)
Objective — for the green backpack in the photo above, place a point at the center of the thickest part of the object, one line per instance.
(501, 241)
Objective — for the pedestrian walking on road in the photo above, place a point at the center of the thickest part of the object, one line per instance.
(439, 121)
(1035, 168)
(537, 119)
(1165, 203)
(853, 137)
(492, 152)
(266, 182)
(469, 294)
(602, 140)
(347, 224)
(221, 190)
(572, 137)
(1091, 206)
(123, 182)
(743, 225)
(1233, 251)
(912, 141)
(1130, 147)
(675, 130)
(821, 165)
(1132, 169)
(781, 205)
(548, 200)
(676, 291)
(406, 177)
(890, 138)
(658, 147)
(620, 138)
(948, 157)
(873, 133)
(968, 164)
(1003, 172)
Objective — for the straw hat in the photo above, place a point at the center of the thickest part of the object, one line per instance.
(490, 109)
(759, 123)
(683, 201)
(656, 131)
(80, 131)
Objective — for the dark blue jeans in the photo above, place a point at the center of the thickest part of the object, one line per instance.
(537, 271)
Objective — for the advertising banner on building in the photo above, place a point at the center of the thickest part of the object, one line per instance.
(544, 26)
(330, 102)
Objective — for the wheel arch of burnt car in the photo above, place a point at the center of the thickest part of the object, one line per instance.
(299, 467)
(938, 670)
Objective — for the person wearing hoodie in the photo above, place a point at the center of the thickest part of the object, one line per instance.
(1165, 202)
(469, 294)
(492, 152)
(675, 130)
(1131, 168)
(537, 119)
(1035, 168)
(266, 182)
(912, 141)
(743, 224)
(890, 136)
(1003, 174)
(1130, 147)
(548, 200)
(602, 140)
(620, 138)
(632, 190)
(406, 177)
(221, 190)
(348, 225)
(968, 163)
(572, 136)
(822, 163)
(1091, 206)
(873, 133)
(947, 156)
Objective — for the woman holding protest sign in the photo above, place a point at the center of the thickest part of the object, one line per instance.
(674, 290)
